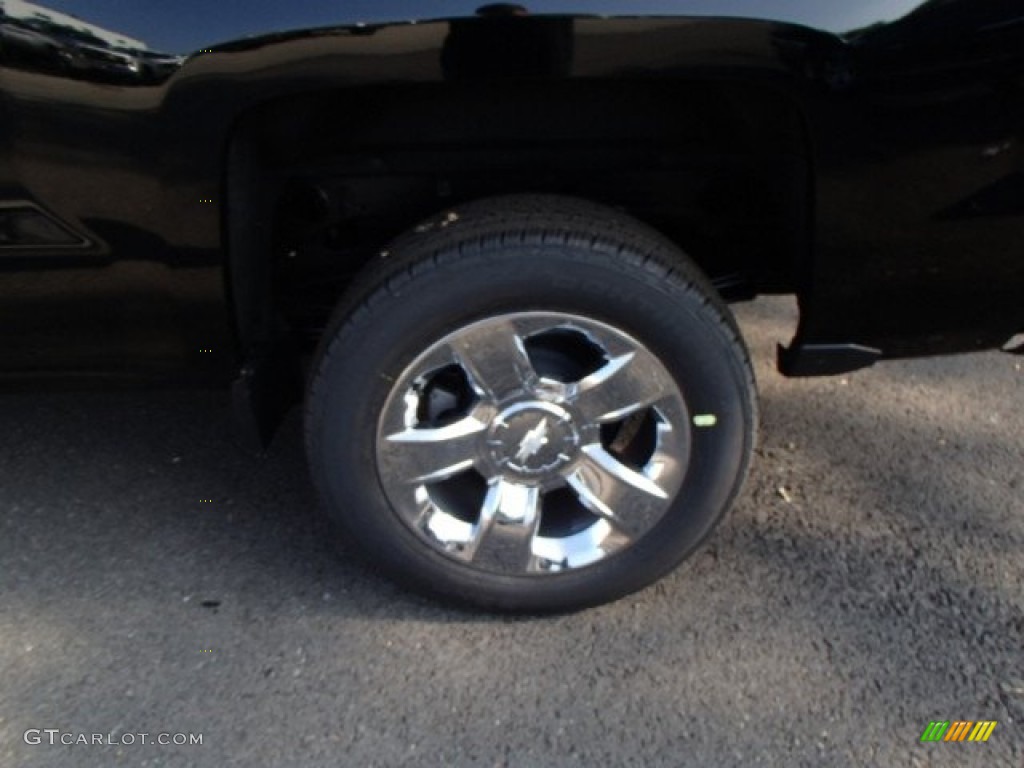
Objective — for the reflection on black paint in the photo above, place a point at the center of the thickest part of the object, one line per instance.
(505, 42)
(1003, 198)
(958, 39)
(37, 39)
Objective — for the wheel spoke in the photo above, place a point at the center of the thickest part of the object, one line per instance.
(428, 455)
(520, 439)
(630, 501)
(624, 385)
(494, 356)
(508, 524)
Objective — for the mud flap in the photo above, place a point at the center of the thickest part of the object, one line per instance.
(266, 389)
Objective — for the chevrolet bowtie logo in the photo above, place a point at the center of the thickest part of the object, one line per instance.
(534, 440)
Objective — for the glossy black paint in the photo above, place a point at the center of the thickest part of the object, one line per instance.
(129, 159)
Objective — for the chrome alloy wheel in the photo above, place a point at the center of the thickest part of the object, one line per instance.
(533, 443)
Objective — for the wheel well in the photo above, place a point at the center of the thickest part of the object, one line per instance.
(320, 183)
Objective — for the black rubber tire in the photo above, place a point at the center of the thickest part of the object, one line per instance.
(511, 255)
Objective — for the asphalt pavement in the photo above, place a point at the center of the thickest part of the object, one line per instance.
(156, 579)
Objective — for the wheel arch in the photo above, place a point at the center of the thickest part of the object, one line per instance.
(721, 170)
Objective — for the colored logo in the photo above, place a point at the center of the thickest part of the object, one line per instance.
(960, 730)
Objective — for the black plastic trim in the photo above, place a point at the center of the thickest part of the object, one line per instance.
(806, 360)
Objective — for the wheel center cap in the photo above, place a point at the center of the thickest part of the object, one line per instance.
(533, 439)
